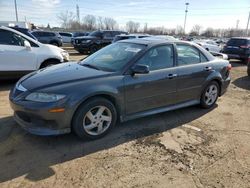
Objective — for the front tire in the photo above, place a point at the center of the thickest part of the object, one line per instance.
(210, 95)
(94, 119)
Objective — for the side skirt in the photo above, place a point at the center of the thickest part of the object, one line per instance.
(159, 110)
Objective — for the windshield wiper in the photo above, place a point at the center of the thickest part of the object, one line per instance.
(90, 66)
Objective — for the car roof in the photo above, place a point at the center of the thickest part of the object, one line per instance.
(153, 41)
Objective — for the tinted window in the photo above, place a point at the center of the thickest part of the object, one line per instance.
(96, 34)
(66, 34)
(107, 35)
(48, 34)
(36, 34)
(158, 58)
(237, 42)
(188, 55)
(10, 38)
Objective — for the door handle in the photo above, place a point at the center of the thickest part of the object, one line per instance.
(171, 76)
(208, 68)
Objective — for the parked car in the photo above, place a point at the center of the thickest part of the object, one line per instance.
(21, 54)
(238, 48)
(95, 40)
(129, 36)
(123, 81)
(209, 45)
(48, 37)
(66, 37)
(78, 34)
(24, 31)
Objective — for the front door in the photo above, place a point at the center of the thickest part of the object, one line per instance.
(13, 55)
(157, 88)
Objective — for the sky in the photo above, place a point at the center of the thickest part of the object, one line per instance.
(156, 13)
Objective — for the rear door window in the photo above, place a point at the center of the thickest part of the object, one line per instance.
(188, 55)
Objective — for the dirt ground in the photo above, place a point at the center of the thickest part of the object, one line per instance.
(191, 147)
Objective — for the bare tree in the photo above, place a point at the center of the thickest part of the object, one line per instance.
(66, 18)
(179, 30)
(90, 22)
(196, 30)
(100, 23)
(109, 23)
(132, 27)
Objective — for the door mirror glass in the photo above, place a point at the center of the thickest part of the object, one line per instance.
(220, 55)
(27, 45)
(140, 69)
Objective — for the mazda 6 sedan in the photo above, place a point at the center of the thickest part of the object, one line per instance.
(123, 81)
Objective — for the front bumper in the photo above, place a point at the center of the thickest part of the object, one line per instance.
(36, 119)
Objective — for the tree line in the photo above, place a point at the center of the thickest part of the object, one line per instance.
(69, 22)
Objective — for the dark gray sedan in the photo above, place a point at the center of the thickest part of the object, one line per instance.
(123, 81)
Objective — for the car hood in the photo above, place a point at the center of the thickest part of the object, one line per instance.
(85, 37)
(59, 74)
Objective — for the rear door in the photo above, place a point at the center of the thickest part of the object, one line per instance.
(193, 68)
(13, 55)
(155, 89)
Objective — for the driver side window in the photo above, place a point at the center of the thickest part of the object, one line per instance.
(10, 38)
(158, 58)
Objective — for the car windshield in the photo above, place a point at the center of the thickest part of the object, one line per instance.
(95, 34)
(113, 57)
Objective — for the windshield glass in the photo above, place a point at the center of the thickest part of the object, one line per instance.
(113, 57)
(95, 34)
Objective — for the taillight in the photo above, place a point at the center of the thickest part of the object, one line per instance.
(229, 67)
(245, 46)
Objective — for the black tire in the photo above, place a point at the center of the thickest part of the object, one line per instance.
(82, 52)
(204, 98)
(245, 61)
(93, 49)
(81, 114)
(248, 69)
(48, 63)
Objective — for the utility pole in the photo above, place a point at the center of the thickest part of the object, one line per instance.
(16, 11)
(247, 24)
(78, 13)
(186, 11)
(237, 24)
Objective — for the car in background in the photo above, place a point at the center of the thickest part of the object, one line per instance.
(95, 40)
(24, 31)
(209, 45)
(48, 37)
(21, 54)
(165, 37)
(66, 37)
(129, 36)
(123, 81)
(238, 48)
(78, 34)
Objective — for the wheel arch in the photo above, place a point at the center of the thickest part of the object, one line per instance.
(57, 61)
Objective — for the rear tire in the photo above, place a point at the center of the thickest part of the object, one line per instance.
(210, 95)
(55, 44)
(94, 119)
(93, 49)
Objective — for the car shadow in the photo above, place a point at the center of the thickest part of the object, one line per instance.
(243, 82)
(23, 154)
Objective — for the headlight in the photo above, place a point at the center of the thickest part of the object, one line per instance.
(86, 41)
(44, 97)
(65, 55)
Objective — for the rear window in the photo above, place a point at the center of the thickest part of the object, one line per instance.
(237, 42)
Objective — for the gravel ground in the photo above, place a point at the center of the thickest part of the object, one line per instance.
(191, 147)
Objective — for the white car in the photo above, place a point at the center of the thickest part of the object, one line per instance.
(66, 37)
(20, 54)
(209, 45)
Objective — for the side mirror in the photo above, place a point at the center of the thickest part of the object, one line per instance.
(140, 69)
(27, 45)
(220, 55)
